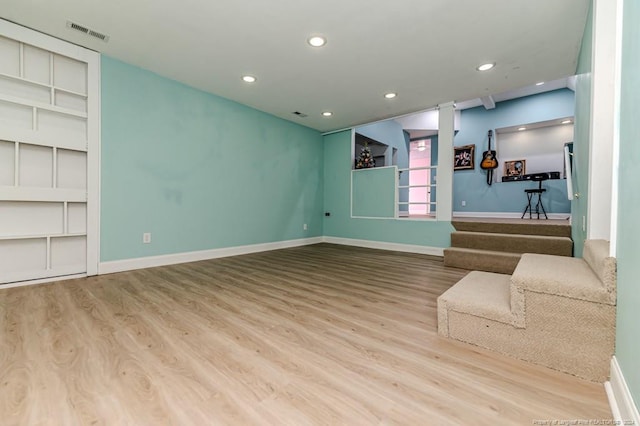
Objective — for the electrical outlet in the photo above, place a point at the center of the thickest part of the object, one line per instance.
(146, 238)
(464, 204)
(584, 224)
(305, 227)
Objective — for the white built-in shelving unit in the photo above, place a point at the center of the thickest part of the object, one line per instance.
(47, 182)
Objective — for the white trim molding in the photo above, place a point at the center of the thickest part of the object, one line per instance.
(621, 402)
(194, 256)
(47, 280)
(381, 245)
(505, 215)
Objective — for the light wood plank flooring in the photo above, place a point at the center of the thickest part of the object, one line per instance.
(322, 334)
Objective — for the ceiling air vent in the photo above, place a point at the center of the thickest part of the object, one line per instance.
(299, 114)
(87, 31)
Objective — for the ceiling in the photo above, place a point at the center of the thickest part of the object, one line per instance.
(425, 51)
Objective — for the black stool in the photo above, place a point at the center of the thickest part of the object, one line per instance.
(530, 193)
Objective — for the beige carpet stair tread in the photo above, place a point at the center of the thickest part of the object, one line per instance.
(483, 294)
(514, 226)
(482, 260)
(515, 243)
(564, 276)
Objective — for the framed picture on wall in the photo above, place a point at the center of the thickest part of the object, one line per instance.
(463, 157)
(515, 168)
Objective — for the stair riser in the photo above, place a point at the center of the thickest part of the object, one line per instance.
(513, 244)
(514, 228)
(480, 262)
(559, 334)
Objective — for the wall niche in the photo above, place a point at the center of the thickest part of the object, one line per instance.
(540, 145)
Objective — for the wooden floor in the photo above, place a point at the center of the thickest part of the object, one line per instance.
(322, 334)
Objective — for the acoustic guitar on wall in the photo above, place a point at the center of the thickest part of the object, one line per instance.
(489, 160)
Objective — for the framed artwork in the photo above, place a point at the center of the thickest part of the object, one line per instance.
(463, 157)
(515, 168)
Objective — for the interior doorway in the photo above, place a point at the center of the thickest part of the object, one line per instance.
(421, 178)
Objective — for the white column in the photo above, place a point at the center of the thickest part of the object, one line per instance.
(444, 175)
(603, 135)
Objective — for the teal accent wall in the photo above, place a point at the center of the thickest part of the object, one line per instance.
(628, 319)
(373, 192)
(580, 172)
(199, 171)
(337, 182)
(581, 139)
(471, 185)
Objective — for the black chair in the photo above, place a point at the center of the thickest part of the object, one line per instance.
(531, 192)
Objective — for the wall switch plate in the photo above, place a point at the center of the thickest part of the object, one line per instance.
(305, 227)
(464, 204)
(146, 238)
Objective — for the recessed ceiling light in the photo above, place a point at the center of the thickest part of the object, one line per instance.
(540, 83)
(390, 95)
(566, 122)
(317, 41)
(522, 128)
(327, 113)
(486, 67)
(249, 79)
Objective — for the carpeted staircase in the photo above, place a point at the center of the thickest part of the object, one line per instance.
(497, 245)
(556, 311)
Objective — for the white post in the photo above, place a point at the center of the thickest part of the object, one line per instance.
(444, 178)
(605, 77)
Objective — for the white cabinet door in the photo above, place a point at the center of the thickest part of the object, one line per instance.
(49, 164)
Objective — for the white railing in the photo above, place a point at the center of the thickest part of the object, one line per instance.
(430, 205)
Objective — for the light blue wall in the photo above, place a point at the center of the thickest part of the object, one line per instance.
(199, 171)
(471, 185)
(391, 133)
(579, 205)
(628, 324)
(337, 179)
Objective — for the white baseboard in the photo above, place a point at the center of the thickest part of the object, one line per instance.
(621, 402)
(506, 215)
(409, 248)
(194, 256)
(42, 281)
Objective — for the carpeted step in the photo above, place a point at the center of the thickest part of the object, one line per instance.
(481, 260)
(562, 276)
(513, 243)
(481, 294)
(514, 226)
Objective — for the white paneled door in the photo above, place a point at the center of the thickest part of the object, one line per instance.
(49, 164)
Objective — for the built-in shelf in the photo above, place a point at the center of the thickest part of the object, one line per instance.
(40, 105)
(41, 84)
(34, 237)
(14, 193)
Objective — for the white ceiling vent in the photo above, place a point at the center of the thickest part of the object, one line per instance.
(87, 31)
